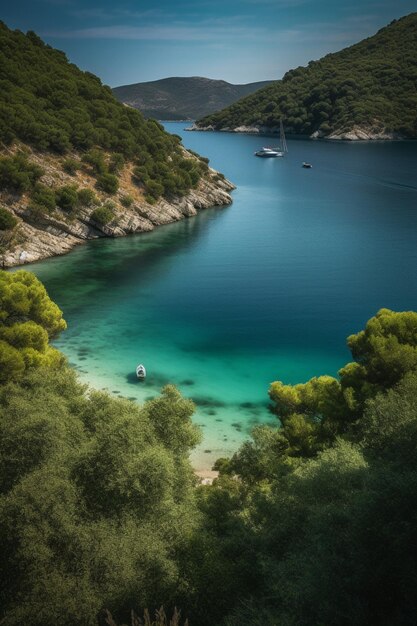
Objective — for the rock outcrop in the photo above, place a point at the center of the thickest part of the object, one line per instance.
(36, 238)
(356, 133)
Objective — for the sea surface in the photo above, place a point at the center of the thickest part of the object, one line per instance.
(226, 302)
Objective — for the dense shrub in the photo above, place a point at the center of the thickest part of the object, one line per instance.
(126, 201)
(87, 197)
(18, 174)
(116, 163)
(108, 183)
(96, 159)
(103, 214)
(67, 197)
(43, 199)
(7, 219)
(154, 189)
(70, 166)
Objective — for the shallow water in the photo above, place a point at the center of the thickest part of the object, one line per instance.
(226, 302)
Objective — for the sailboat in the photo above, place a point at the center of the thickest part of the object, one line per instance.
(275, 152)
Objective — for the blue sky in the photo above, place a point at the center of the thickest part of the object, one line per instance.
(127, 41)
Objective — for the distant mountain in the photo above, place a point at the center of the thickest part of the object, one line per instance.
(183, 98)
(366, 91)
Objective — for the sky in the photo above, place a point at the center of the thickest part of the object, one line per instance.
(241, 41)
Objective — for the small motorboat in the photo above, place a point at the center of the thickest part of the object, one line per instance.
(307, 165)
(269, 152)
(141, 372)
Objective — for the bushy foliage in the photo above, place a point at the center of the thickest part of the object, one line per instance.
(18, 174)
(103, 214)
(94, 503)
(116, 163)
(28, 319)
(7, 219)
(326, 407)
(109, 183)
(310, 522)
(86, 197)
(126, 201)
(371, 84)
(96, 159)
(49, 103)
(71, 166)
(42, 199)
(67, 197)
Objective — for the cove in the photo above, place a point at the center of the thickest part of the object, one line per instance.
(269, 288)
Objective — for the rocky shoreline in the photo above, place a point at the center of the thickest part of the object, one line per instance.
(53, 235)
(356, 133)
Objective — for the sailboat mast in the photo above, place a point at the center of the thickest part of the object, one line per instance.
(283, 141)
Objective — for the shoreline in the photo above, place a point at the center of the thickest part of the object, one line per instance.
(54, 235)
(355, 134)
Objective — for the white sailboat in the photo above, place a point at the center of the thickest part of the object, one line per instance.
(275, 152)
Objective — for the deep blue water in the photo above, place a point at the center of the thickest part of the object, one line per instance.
(268, 288)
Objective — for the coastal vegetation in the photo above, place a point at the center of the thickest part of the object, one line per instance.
(67, 147)
(310, 522)
(370, 86)
(96, 502)
(7, 219)
(51, 105)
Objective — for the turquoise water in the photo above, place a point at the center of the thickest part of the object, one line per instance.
(226, 302)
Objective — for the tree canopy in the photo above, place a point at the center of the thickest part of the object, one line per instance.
(51, 105)
(310, 522)
(372, 84)
(28, 320)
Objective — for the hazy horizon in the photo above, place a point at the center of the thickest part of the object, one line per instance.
(239, 41)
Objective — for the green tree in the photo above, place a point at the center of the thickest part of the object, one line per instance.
(18, 174)
(94, 509)
(103, 214)
(28, 319)
(42, 199)
(108, 183)
(7, 219)
(71, 166)
(67, 197)
(86, 197)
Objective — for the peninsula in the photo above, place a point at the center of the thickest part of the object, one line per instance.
(366, 91)
(75, 164)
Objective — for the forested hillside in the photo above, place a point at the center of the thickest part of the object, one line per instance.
(77, 164)
(368, 90)
(50, 104)
(183, 98)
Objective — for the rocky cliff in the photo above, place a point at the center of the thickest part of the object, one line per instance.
(37, 237)
(356, 133)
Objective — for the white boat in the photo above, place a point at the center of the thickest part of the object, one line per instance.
(275, 152)
(307, 165)
(141, 371)
(269, 152)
